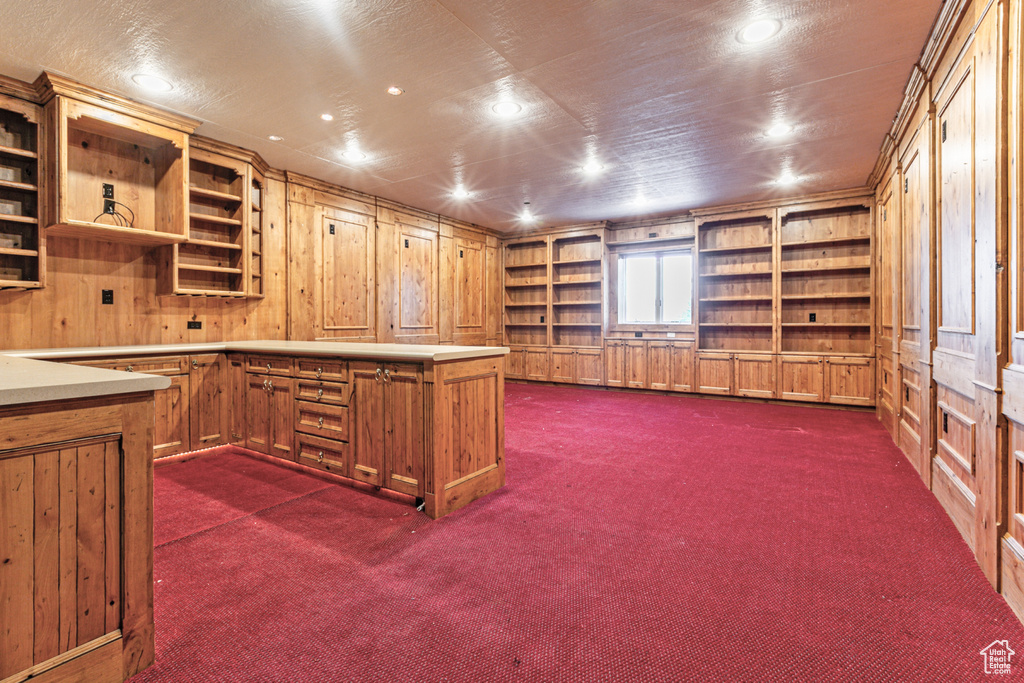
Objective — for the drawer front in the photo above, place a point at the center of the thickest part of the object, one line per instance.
(322, 420)
(166, 365)
(324, 454)
(270, 365)
(323, 392)
(319, 368)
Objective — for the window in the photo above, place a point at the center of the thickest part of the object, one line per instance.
(656, 288)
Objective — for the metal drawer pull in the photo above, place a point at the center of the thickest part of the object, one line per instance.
(129, 369)
(387, 375)
(378, 374)
(271, 385)
(268, 367)
(320, 456)
(319, 371)
(320, 422)
(195, 363)
(265, 385)
(319, 393)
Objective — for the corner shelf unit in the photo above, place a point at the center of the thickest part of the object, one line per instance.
(22, 245)
(735, 261)
(825, 266)
(99, 140)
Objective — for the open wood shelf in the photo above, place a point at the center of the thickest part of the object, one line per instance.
(826, 269)
(544, 325)
(23, 187)
(576, 282)
(209, 269)
(867, 325)
(567, 304)
(576, 262)
(766, 273)
(113, 233)
(204, 193)
(17, 152)
(576, 324)
(230, 246)
(735, 324)
(18, 219)
(528, 286)
(736, 299)
(7, 251)
(826, 297)
(524, 266)
(537, 305)
(853, 239)
(218, 220)
(737, 249)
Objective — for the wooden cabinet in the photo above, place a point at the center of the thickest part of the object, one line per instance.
(636, 364)
(681, 359)
(754, 375)
(615, 363)
(387, 405)
(172, 426)
(208, 409)
(563, 365)
(22, 250)
(538, 364)
(850, 381)
(590, 366)
(269, 414)
(714, 373)
(236, 410)
(659, 365)
(515, 363)
(802, 378)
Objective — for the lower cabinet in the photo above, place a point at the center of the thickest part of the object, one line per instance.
(208, 407)
(563, 365)
(171, 430)
(659, 365)
(754, 376)
(850, 381)
(714, 373)
(682, 366)
(537, 364)
(615, 364)
(577, 366)
(636, 364)
(802, 378)
(268, 414)
(515, 363)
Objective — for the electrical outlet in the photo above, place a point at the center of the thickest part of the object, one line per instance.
(195, 324)
(671, 334)
(107, 296)
(108, 206)
(945, 423)
(542, 318)
(652, 235)
(108, 191)
(814, 318)
(638, 334)
(331, 228)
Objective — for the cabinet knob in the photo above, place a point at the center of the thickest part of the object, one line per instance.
(320, 422)
(129, 369)
(319, 371)
(320, 456)
(195, 363)
(265, 385)
(271, 385)
(319, 393)
(387, 375)
(268, 367)
(378, 375)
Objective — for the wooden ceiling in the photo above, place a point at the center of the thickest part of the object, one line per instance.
(660, 92)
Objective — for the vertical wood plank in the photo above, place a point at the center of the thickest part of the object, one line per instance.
(68, 543)
(16, 565)
(91, 564)
(112, 536)
(47, 556)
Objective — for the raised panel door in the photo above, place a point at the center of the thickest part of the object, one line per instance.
(850, 381)
(802, 378)
(257, 413)
(416, 307)
(682, 366)
(636, 364)
(171, 434)
(404, 429)
(208, 409)
(754, 376)
(367, 408)
(470, 258)
(538, 364)
(714, 373)
(659, 365)
(347, 277)
(589, 366)
(563, 365)
(282, 416)
(236, 372)
(615, 364)
(515, 364)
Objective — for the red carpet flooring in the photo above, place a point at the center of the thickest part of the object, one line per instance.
(639, 538)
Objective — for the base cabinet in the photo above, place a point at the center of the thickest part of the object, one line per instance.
(850, 381)
(754, 376)
(171, 434)
(563, 365)
(659, 365)
(515, 363)
(589, 367)
(636, 364)
(269, 414)
(681, 359)
(714, 373)
(538, 364)
(802, 378)
(615, 364)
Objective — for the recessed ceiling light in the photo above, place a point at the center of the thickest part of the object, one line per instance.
(759, 31)
(641, 200)
(779, 130)
(787, 178)
(593, 167)
(461, 193)
(275, 138)
(354, 155)
(326, 117)
(152, 83)
(395, 90)
(527, 216)
(507, 108)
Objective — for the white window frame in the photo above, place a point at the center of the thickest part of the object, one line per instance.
(619, 300)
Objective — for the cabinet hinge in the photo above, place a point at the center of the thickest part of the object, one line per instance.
(944, 131)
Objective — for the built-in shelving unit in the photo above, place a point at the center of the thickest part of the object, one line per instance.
(735, 267)
(825, 267)
(257, 191)
(526, 288)
(103, 144)
(576, 289)
(22, 248)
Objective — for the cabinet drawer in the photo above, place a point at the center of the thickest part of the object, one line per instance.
(166, 365)
(323, 392)
(324, 454)
(318, 368)
(322, 420)
(270, 365)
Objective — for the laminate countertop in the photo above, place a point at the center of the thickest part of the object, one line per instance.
(26, 377)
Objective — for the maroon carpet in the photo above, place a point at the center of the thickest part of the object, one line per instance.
(639, 538)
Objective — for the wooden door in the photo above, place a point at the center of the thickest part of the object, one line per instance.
(257, 413)
(563, 365)
(754, 375)
(404, 432)
(367, 408)
(659, 365)
(470, 289)
(171, 434)
(282, 416)
(538, 364)
(802, 378)
(888, 281)
(682, 366)
(415, 318)
(615, 364)
(515, 364)
(589, 366)
(208, 409)
(347, 276)
(236, 409)
(714, 373)
(850, 381)
(636, 364)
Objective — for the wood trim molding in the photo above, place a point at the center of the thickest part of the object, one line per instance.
(229, 150)
(19, 89)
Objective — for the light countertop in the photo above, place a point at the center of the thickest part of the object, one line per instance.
(23, 380)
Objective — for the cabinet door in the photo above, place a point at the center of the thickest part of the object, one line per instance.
(714, 373)
(802, 378)
(659, 365)
(682, 366)
(563, 365)
(208, 410)
(850, 381)
(403, 422)
(282, 417)
(257, 413)
(538, 364)
(615, 364)
(636, 365)
(470, 258)
(367, 409)
(346, 276)
(236, 373)
(589, 366)
(415, 313)
(515, 364)
(171, 434)
(754, 376)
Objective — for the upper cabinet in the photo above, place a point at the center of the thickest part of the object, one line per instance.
(22, 249)
(119, 171)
